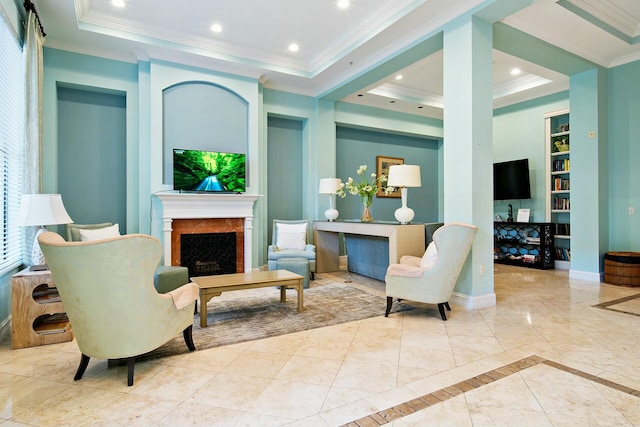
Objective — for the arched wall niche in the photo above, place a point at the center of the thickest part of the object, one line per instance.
(200, 115)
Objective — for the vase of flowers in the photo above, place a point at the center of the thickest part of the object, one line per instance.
(366, 188)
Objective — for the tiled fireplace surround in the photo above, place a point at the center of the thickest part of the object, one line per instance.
(195, 213)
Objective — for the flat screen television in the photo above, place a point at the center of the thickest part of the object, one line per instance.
(511, 180)
(212, 171)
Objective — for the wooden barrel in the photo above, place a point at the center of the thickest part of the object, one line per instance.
(622, 268)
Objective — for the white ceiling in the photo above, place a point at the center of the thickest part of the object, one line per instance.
(338, 45)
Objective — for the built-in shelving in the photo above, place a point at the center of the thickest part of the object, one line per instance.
(558, 182)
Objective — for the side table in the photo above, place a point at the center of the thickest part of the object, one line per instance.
(37, 314)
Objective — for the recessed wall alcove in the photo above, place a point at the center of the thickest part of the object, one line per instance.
(202, 116)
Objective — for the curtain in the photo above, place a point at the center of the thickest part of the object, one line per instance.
(33, 42)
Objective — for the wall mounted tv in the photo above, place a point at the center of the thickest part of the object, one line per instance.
(196, 170)
(511, 180)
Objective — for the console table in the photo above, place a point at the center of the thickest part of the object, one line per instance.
(397, 239)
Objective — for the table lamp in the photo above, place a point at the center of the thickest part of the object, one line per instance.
(404, 176)
(330, 186)
(41, 210)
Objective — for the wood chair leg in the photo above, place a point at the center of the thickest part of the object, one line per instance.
(84, 362)
(441, 309)
(446, 305)
(388, 310)
(130, 363)
(188, 338)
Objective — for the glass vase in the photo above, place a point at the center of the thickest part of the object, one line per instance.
(366, 209)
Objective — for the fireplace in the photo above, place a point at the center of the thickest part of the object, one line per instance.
(198, 213)
(207, 254)
(228, 231)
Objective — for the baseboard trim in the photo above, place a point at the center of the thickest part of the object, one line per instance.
(473, 302)
(587, 276)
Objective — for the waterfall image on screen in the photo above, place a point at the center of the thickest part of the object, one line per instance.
(196, 170)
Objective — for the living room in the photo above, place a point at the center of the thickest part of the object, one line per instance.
(293, 139)
(328, 139)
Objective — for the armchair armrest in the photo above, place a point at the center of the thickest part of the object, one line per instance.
(405, 270)
(184, 295)
(410, 260)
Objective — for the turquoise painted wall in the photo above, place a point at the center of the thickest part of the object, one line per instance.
(589, 175)
(284, 171)
(92, 158)
(202, 116)
(518, 132)
(624, 157)
(69, 70)
(355, 147)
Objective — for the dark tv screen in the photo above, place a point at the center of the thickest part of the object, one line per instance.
(197, 170)
(511, 180)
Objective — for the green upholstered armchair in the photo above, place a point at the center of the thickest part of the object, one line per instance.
(431, 279)
(106, 287)
(166, 277)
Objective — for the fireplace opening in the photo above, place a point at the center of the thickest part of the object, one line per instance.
(208, 254)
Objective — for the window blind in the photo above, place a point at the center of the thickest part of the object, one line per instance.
(12, 117)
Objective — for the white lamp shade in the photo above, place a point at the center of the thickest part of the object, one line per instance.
(42, 209)
(329, 185)
(404, 176)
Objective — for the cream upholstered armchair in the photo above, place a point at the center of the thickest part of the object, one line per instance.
(106, 286)
(166, 277)
(431, 279)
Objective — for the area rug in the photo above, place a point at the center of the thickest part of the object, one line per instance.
(263, 316)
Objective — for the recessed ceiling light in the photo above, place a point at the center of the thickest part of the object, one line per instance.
(343, 4)
(515, 71)
(118, 3)
(360, 94)
(216, 28)
(399, 77)
(392, 102)
(293, 47)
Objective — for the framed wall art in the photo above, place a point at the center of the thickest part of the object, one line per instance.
(382, 168)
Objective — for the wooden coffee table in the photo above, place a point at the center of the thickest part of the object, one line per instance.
(214, 286)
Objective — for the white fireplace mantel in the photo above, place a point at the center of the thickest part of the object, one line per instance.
(177, 205)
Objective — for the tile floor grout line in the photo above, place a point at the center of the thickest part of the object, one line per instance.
(412, 406)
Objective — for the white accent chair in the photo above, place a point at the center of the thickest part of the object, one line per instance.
(106, 286)
(289, 240)
(431, 279)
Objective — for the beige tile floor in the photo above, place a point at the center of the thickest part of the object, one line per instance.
(543, 356)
